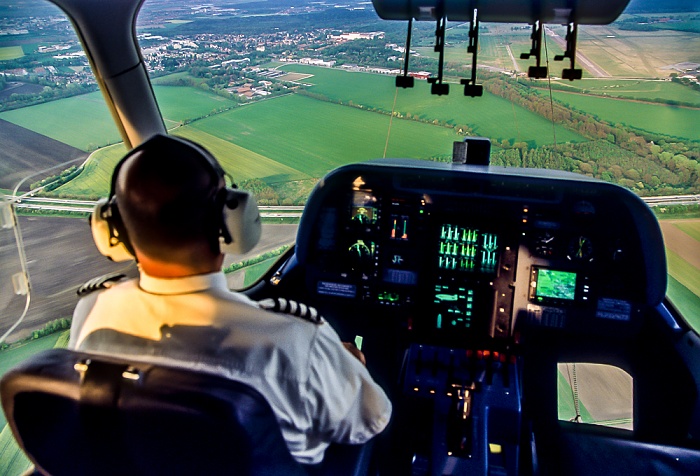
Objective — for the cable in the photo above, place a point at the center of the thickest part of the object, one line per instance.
(391, 119)
(549, 83)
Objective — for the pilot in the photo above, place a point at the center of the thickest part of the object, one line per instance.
(171, 209)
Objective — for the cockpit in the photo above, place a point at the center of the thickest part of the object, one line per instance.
(516, 317)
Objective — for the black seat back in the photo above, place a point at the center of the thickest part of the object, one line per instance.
(75, 413)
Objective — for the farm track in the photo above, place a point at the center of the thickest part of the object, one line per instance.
(680, 242)
(640, 101)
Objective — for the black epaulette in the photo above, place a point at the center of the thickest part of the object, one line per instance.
(287, 306)
(101, 282)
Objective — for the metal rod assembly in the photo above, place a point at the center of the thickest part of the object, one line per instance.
(404, 80)
(436, 85)
(470, 86)
(537, 71)
(570, 73)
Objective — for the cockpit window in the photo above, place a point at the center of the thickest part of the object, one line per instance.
(596, 394)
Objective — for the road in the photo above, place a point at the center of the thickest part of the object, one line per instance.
(86, 206)
(581, 59)
(516, 68)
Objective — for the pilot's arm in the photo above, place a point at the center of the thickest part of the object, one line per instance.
(350, 406)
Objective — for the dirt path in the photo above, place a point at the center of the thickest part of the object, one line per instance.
(680, 242)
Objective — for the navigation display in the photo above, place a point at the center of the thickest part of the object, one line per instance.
(552, 284)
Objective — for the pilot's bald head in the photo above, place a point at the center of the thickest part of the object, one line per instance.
(167, 194)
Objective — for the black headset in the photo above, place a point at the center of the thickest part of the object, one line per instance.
(239, 224)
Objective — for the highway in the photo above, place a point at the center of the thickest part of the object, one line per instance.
(86, 206)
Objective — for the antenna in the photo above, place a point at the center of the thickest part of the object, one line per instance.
(536, 51)
(436, 85)
(570, 73)
(470, 86)
(404, 80)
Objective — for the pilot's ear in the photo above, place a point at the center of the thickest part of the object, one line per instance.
(108, 231)
(241, 226)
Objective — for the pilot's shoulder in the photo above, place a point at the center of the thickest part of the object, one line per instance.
(292, 308)
(100, 282)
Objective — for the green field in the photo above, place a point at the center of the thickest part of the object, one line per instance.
(262, 140)
(489, 116)
(95, 179)
(312, 137)
(10, 52)
(567, 409)
(91, 125)
(179, 103)
(640, 89)
(692, 228)
(683, 273)
(669, 120)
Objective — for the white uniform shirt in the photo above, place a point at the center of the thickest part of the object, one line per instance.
(319, 391)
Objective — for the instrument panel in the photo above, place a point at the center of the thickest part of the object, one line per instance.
(457, 251)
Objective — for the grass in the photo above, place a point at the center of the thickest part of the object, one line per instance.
(488, 116)
(637, 54)
(567, 410)
(318, 136)
(95, 179)
(638, 89)
(691, 228)
(687, 303)
(240, 162)
(90, 125)
(13, 461)
(254, 272)
(684, 272)
(669, 120)
(180, 102)
(10, 52)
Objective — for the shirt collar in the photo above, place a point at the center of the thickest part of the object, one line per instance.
(185, 285)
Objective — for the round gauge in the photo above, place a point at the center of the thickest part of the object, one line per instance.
(544, 244)
(580, 249)
(362, 216)
(361, 253)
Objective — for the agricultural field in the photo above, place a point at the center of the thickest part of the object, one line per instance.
(11, 52)
(27, 154)
(669, 120)
(91, 125)
(305, 145)
(682, 238)
(637, 89)
(95, 179)
(637, 54)
(179, 103)
(488, 116)
(320, 136)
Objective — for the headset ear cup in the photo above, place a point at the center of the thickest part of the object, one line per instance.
(242, 220)
(102, 234)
